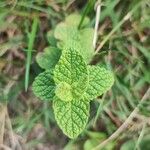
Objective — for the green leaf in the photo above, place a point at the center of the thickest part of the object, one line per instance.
(64, 32)
(129, 145)
(64, 91)
(86, 41)
(92, 143)
(67, 33)
(51, 39)
(71, 116)
(72, 70)
(95, 138)
(74, 20)
(100, 80)
(44, 86)
(49, 58)
(82, 39)
(61, 32)
(70, 25)
(96, 135)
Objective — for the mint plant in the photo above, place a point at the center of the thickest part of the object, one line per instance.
(68, 80)
(69, 35)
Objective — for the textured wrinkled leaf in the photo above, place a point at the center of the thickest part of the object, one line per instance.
(64, 91)
(61, 32)
(51, 39)
(100, 80)
(44, 86)
(49, 58)
(71, 116)
(72, 69)
(86, 41)
(69, 28)
(74, 20)
(67, 33)
(82, 39)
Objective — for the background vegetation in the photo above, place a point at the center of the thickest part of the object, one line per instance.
(123, 44)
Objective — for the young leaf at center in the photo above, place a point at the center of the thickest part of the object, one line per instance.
(72, 70)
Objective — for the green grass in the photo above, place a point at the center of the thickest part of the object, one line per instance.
(123, 46)
(31, 38)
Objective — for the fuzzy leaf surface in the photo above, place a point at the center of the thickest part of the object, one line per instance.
(71, 116)
(44, 86)
(67, 33)
(100, 81)
(70, 25)
(71, 22)
(74, 20)
(49, 58)
(51, 39)
(72, 69)
(64, 91)
(86, 41)
(64, 32)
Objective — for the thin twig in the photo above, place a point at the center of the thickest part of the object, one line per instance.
(13, 140)
(4, 147)
(98, 12)
(112, 117)
(10, 131)
(125, 124)
(126, 17)
(69, 4)
(2, 122)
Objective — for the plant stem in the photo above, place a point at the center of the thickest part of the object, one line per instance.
(86, 11)
(2, 121)
(98, 12)
(30, 49)
(126, 17)
(125, 124)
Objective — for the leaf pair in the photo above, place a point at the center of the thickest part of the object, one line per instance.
(71, 85)
(65, 36)
(68, 34)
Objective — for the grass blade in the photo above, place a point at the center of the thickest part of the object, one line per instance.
(32, 36)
